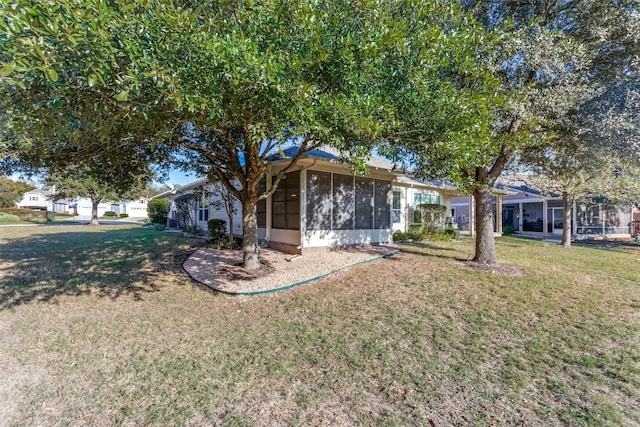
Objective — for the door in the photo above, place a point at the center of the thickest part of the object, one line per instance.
(555, 220)
(507, 217)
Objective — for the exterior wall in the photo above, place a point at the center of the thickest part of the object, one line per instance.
(408, 204)
(351, 205)
(215, 210)
(135, 208)
(218, 212)
(84, 207)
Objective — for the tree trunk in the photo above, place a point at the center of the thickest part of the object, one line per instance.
(566, 219)
(485, 246)
(250, 247)
(230, 212)
(229, 206)
(94, 211)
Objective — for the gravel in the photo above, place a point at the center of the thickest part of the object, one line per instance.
(221, 269)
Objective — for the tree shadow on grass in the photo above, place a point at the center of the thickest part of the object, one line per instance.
(628, 247)
(105, 262)
(430, 250)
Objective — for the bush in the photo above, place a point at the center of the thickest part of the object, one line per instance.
(6, 218)
(414, 234)
(432, 216)
(453, 233)
(124, 215)
(217, 229)
(416, 228)
(507, 229)
(110, 213)
(158, 211)
(27, 215)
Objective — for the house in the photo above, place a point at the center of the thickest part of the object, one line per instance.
(318, 204)
(409, 192)
(529, 212)
(41, 200)
(135, 208)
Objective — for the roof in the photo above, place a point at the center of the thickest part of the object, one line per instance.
(415, 181)
(326, 152)
(182, 188)
(45, 193)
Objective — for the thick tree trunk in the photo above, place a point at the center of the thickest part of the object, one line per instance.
(566, 219)
(94, 211)
(250, 247)
(485, 246)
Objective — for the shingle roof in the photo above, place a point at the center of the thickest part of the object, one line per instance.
(329, 153)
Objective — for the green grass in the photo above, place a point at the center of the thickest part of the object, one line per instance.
(100, 326)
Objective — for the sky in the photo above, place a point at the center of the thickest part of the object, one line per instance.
(179, 177)
(175, 177)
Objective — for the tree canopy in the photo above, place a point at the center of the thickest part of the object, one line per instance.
(457, 89)
(11, 191)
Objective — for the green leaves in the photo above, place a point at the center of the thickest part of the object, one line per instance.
(122, 96)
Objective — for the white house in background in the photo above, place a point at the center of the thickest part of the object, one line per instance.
(41, 200)
(320, 203)
(136, 208)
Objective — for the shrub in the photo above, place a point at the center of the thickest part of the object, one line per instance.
(217, 229)
(432, 216)
(123, 215)
(158, 211)
(399, 235)
(8, 218)
(27, 215)
(453, 233)
(110, 213)
(507, 229)
(416, 228)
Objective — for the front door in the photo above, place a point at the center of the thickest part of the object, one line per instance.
(507, 217)
(555, 217)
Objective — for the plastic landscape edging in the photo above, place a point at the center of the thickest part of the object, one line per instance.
(294, 285)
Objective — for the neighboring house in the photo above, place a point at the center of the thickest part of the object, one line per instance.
(529, 212)
(320, 203)
(41, 200)
(136, 208)
(36, 199)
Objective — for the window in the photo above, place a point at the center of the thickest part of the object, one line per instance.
(396, 207)
(364, 203)
(382, 211)
(423, 198)
(203, 207)
(319, 205)
(343, 202)
(285, 204)
(33, 198)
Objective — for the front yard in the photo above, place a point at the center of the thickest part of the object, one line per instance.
(100, 326)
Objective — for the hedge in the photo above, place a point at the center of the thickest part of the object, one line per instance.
(27, 215)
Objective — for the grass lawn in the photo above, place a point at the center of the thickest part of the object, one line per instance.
(99, 326)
